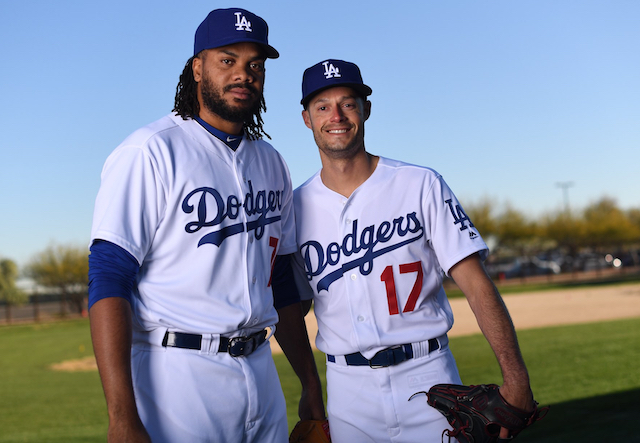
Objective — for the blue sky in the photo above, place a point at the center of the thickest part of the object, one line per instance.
(504, 98)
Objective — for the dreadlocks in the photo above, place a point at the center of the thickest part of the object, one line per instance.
(187, 105)
(186, 102)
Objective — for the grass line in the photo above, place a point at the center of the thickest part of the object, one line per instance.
(505, 289)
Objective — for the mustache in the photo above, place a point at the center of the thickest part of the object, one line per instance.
(248, 86)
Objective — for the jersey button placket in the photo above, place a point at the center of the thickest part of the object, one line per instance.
(247, 253)
(351, 280)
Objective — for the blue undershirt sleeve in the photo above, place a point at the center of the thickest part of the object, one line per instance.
(285, 292)
(112, 272)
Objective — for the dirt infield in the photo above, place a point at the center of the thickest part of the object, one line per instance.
(541, 309)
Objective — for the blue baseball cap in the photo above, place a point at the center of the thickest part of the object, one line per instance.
(224, 27)
(331, 73)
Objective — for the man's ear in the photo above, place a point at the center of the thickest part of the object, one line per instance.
(367, 110)
(307, 118)
(196, 66)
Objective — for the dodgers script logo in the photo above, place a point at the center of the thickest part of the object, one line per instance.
(330, 71)
(242, 24)
(262, 203)
(400, 232)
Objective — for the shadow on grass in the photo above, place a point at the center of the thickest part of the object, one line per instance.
(606, 418)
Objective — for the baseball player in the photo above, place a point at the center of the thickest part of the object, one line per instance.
(376, 236)
(193, 213)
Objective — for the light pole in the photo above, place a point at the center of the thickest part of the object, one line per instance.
(565, 193)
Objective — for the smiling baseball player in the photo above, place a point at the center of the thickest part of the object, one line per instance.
(376, 237)
(193, 213)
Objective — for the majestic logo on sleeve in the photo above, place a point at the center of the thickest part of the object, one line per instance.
(262, 203)
(372, 240)
(330, 71)
(242, 24)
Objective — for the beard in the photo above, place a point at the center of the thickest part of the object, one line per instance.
(214, 102)
(340, 150)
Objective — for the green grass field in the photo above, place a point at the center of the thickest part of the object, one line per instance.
(588, 373)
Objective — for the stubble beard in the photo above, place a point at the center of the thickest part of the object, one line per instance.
(213, 101)
(340, 150)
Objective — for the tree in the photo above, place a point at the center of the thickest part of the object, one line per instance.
(481, 215)
(65, 269)
(634, 217)
(9, 292)
(608, 226)
(516, 232)
(566, 230)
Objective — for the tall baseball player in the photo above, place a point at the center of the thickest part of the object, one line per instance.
(376, 237)
(193, 213)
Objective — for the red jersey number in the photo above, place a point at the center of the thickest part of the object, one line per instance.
(390, 285)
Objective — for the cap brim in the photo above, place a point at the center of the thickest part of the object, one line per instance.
(363, 90)
(269, 51)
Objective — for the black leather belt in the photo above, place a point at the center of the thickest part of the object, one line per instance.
(386, 357)
(236, 346)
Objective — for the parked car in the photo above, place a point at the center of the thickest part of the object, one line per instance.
(521, 267)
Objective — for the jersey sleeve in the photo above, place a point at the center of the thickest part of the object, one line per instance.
(452, 234)
(300, 277)
(288, 243)
(130, 202)
(112, 272)
(285, 292)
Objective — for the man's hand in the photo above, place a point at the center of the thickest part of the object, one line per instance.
(292, 337)
(311, 406)
(479, 413)
(519, 397)
(110, 320)
(495, 323)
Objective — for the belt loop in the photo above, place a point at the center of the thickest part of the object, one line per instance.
(339, 360)
(206, 346)
(443, 341)
(272, 331)
(421, 349)
(215, 344)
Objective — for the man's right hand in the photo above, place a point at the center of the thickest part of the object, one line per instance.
(111, 336)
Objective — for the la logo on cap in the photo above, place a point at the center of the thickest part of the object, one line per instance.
(242, 24)
(330, 71)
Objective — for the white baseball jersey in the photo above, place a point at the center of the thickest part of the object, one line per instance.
(375, 261)
(204, 222)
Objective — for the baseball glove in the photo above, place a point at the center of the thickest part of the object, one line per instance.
(476, 413)
(310, 431)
